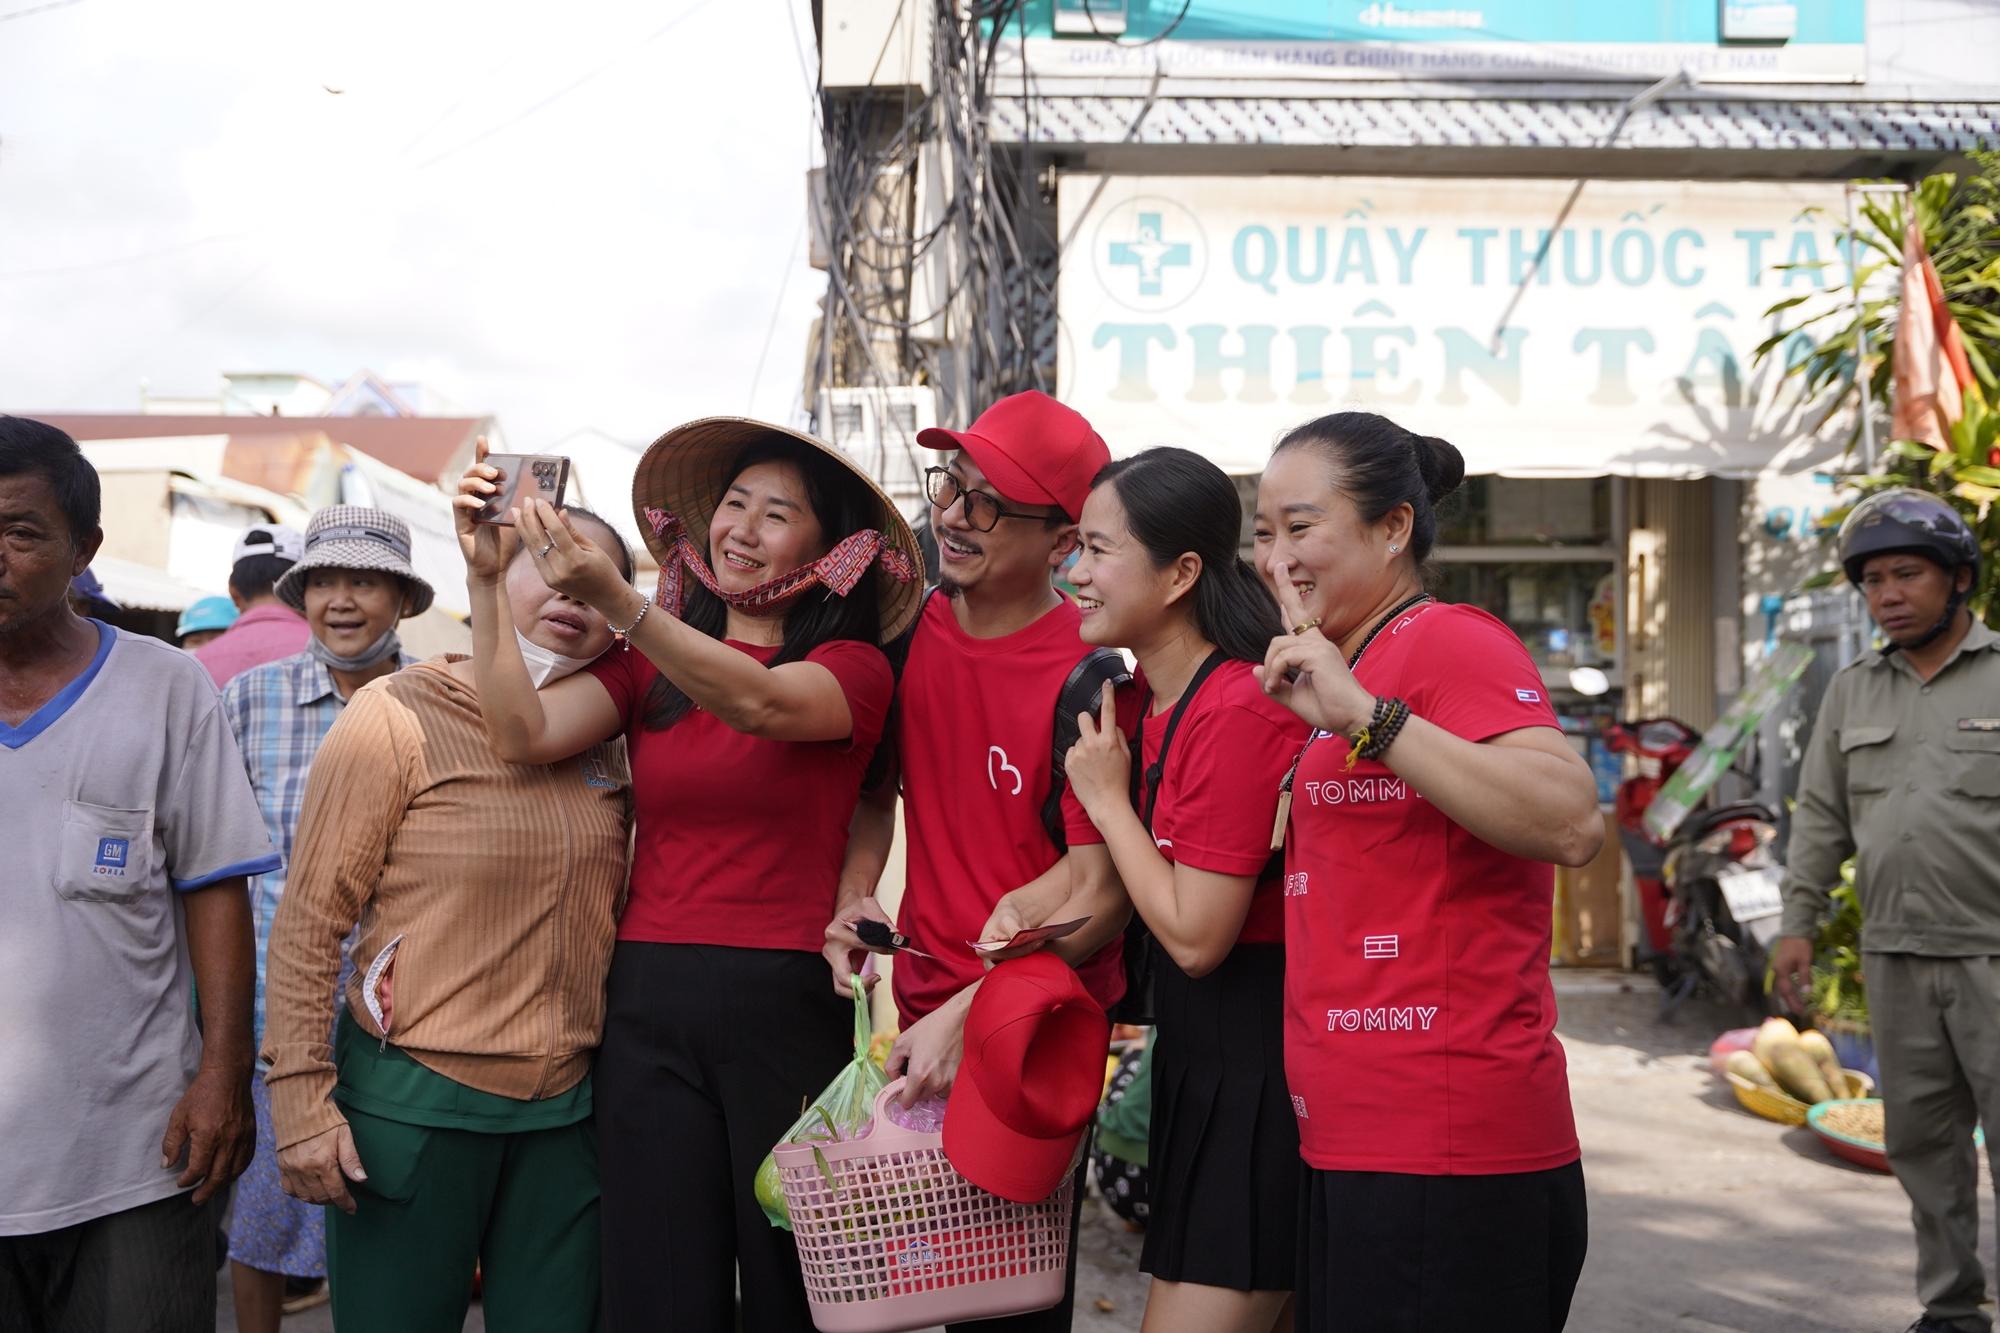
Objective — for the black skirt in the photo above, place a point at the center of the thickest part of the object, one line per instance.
(1223, 1146)
(1440, 1254)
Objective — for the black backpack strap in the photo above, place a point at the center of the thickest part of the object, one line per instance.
(1147, 786)
(1080, 693)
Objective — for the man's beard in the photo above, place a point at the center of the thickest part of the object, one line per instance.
(949, 586)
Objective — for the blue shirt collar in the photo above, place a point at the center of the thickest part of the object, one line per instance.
(53, 711)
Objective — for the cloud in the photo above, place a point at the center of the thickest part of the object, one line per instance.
(568, 216)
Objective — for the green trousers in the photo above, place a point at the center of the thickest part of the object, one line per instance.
(1937, 1043)
(522, 1206)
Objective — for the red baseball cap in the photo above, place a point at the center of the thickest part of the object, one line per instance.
(1032, 448)
(1030, 1078)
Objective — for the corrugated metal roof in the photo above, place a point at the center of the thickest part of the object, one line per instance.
(423, 447)
(1444, 122)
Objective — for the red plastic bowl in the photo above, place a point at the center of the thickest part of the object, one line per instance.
(1861, 1152)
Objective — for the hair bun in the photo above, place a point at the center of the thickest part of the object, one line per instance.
(1442, 465)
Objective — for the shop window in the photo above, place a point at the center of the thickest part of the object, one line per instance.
(1512, 511)
(1564, 611)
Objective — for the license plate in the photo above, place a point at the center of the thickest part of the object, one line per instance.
(1752, 894)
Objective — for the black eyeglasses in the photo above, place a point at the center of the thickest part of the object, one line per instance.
(982, 511)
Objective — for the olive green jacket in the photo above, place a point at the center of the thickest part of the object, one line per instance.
(1904, 774)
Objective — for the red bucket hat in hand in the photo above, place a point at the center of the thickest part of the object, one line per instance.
(1029, 1082)
(1032, 448)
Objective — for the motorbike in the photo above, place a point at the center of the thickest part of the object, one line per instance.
(1722, 878)
(1709, 895)
(1658, 746)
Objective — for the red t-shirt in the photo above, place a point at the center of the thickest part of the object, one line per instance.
(975, 724)
(741, 839)
(1219, 793)
(1419, 1018)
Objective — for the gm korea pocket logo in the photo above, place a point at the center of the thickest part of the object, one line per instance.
(112, 854)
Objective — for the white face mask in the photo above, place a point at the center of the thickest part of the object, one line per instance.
(545, 666)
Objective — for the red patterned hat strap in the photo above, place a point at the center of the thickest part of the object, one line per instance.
(839, 570)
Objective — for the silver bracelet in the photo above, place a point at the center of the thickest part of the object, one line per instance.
(645, 605)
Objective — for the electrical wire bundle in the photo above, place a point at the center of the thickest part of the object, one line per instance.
(929, 280)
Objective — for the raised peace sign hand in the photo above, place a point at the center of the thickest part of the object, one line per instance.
(1304, 671)
(1099, 766)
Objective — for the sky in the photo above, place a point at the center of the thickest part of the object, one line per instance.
(572, 215)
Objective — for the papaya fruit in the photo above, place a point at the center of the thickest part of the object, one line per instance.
(1747, 1066)
(1777, 1045)
(1820, 1049)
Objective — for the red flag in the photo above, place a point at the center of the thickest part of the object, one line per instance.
(1929, 362)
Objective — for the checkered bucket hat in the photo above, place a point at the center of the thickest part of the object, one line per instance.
(354, 537)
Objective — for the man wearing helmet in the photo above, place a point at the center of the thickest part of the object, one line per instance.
(1904, 772)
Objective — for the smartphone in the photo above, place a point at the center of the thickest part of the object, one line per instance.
(524, 477)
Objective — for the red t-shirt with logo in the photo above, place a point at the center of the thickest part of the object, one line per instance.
(974, 729)
(740, 839)
(1219, 793)
(1419, 1018)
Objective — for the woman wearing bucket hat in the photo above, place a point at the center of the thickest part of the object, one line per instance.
(352, 582)
(450, 1123)
(752, 695)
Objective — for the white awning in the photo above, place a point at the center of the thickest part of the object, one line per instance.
(434, 547)
(137, 587)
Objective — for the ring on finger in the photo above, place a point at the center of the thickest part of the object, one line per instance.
(547, 546)
(1305, 625)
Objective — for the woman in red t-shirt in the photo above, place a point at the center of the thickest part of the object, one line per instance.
(1189, 822)
(1444, 1191)
(750, 700)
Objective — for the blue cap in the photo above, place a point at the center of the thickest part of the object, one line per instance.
(208, 613)
(86, 586)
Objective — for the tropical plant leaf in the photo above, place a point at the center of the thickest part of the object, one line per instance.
(1958, 216)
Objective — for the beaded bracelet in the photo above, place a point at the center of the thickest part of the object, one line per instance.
(1374, 740)
(1390, 728)
(645, 605)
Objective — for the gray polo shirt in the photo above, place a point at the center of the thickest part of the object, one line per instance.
(1906, 774)
(123, 792)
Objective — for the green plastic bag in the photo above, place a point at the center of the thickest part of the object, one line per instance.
(842, 1112)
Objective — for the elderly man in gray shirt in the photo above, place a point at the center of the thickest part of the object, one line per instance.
(1904, 773)
(129, 829)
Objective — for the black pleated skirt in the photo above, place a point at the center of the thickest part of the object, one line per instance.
(1223, 1144)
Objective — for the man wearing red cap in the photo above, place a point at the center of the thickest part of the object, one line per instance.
(974, 729)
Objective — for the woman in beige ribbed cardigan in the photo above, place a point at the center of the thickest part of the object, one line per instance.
(450, 1124)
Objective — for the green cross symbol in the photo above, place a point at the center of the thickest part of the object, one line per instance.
(1151, 255)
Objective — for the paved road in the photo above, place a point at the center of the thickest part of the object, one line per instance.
(1704, 1219)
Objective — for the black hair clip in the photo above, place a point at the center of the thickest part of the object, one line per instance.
(881, 935)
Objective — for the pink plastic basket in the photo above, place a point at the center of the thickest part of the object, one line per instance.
(899, 1240)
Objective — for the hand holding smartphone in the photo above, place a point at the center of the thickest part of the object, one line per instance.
(523, 477)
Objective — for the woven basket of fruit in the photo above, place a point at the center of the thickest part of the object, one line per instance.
(1786, 1071)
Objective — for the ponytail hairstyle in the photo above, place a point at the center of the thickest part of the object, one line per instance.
(844, 505)
(1177, 502)
(1379, 465)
